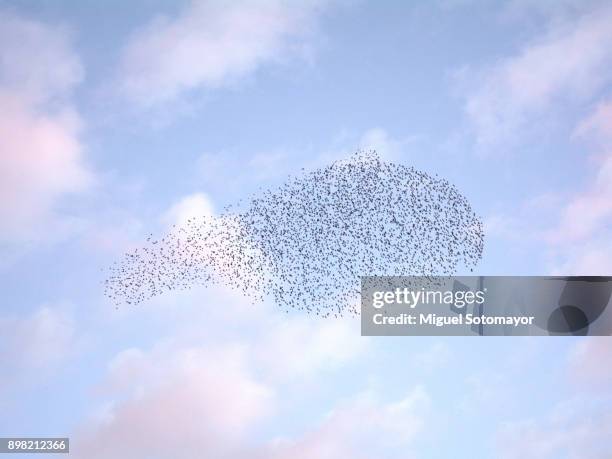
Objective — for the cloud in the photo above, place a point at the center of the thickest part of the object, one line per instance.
(193, 205)
(583, 227)
(578, 427)
(588, 363)
(220, 374)
(304, 347)
(210, 44)
(230, 372)
(41, 156)
(589, 258)
(36, 60)
(207, 401)
(598, 124)
(40, 161)
(355, 429)
(575, 228)
(379, 139)
(586, 212)
(436, 356)
(190, 402)
(570, 63)
(37, 341)
(563, 434)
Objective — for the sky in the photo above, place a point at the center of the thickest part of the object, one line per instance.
(118, 120)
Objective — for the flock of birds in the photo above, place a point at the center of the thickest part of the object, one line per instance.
(307, 243)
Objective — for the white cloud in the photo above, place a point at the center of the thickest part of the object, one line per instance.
(41, 157)
(379, 139)
(570, 63)
(210, 44)
(193, 205)
(36, 60)
(36, 341)
(305, 347)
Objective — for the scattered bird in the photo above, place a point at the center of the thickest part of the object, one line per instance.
(306, 243)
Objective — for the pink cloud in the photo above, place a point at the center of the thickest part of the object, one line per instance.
(40, 160)
(567, 434)
(41, 156)
(229, 372)
(354, 430)
(569, 65)
(203, 402)
(589, 363)
(586, 212)
(578, 427)
(599, 124)
(593, 258)
(583, 228)
(176, 403)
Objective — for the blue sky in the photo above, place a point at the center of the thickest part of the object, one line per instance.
(119, 120)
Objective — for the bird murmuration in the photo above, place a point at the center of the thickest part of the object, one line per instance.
(306, 243)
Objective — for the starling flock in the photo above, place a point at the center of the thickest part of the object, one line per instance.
(306, 244)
